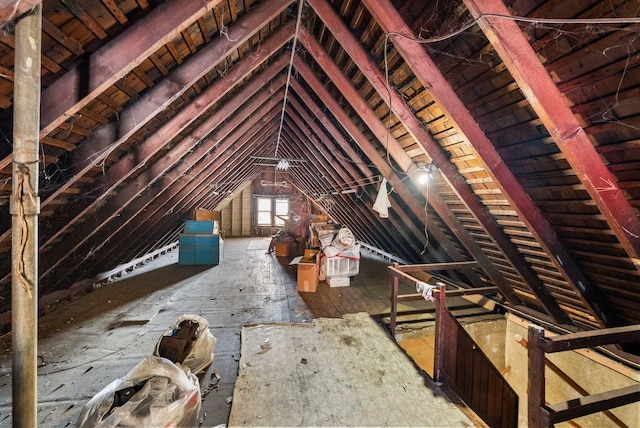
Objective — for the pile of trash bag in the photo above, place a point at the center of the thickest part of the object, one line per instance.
(163, 389)
(188, 343)
(155, 392)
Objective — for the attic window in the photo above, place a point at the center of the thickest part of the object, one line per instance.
(272, 212)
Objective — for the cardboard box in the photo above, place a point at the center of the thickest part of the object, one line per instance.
(200, 214)
(307, 276)
(286, 249)
(310, 254)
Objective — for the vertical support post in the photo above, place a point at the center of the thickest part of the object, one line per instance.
(536, 379)
(394, 302)
(24, 220)
(441, 332)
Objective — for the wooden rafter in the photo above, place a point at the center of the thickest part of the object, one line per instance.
(182, 159)
(375, 157)
(404, 161)
(431, 78)
(542, 93)
(144, 112)
(376, 78)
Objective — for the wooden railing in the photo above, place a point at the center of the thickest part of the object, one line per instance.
(542, 415)
(398, 273)
(459, 362)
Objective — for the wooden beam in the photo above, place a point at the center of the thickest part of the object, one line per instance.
(138, 115)
(338, 136)
(536, 381)
(176, 193)
(431, 77)
(89, 79)
(354, 132)
(152, 222)
(594, 403)
(406, 164)
(346, 170)
(107, 135)
(322, 164)
(12, 9)
(79, 86)
(24, 209)
(548, 102)
(436, 266)
(176, 161)
(371, 70)
(592, 338)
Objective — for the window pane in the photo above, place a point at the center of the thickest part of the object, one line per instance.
(282, 206)
(264, 218)
(282, 210)
(264, 204)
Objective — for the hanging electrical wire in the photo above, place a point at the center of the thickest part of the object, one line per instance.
(286, 88)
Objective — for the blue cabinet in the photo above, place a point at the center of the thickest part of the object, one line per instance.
(192, 226)
(199, 249)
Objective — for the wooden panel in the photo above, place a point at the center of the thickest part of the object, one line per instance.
(236, 217)
(477, 381)
(247, 209)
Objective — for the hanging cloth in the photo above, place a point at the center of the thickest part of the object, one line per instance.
(382, 204)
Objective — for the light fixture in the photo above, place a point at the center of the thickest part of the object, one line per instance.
(426, 173)
(283, 165)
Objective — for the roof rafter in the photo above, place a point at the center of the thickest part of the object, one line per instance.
(96, 148)
(542, 93)
(432, 79)
(342, 144)
(375, 157)
(302, 118)
(180, 160)
(405, 163)
(394, 101)
(340, 174)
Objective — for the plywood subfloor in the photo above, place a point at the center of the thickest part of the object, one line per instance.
(422, 352)
(334, 372)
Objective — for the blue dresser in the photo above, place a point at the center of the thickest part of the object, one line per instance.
(193, 226)
(199, 249)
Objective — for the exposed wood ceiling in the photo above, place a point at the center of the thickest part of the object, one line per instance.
(525, 114)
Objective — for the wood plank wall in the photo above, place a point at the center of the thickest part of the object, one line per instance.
(237, 216)
(476, 380)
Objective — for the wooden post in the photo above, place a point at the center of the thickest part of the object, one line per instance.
(441, 332)
(394, 302)
(24, 221)
(536, 379)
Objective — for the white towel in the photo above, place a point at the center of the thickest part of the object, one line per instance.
(382, 204)
(426, 290)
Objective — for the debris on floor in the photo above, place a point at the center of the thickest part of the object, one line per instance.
(314, 376)
(156, 392)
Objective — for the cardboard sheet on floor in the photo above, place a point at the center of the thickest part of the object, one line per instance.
(334, 372)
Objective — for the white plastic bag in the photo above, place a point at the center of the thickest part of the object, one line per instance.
(344, 238)
(200, 350)
(159, 394)
(352, 252)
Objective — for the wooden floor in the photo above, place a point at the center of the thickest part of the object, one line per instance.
(86, 344)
